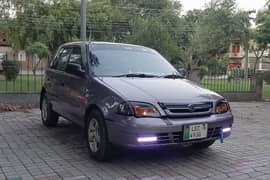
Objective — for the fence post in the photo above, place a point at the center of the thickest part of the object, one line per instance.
(257, 85)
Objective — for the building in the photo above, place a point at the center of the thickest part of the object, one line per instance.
(237, 58)
(27, 61)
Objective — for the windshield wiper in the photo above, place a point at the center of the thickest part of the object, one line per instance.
(140, 75)
(173, 76)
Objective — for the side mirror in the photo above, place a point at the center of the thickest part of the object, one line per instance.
(182, 72)
(75, 69)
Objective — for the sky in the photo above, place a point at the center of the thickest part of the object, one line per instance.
(242, 4)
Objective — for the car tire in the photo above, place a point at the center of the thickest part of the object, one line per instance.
(203, 145)
(97, 137)
(48, 116)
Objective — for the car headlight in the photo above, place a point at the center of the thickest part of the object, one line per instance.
(138, 109)
(222, 107)
(125, 109)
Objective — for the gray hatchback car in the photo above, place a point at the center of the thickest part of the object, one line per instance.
(131, 96)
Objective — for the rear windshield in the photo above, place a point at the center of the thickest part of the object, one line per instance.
(117, 59)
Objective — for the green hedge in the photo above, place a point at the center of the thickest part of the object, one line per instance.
(266, 76)
(238, 73)
(11, 69)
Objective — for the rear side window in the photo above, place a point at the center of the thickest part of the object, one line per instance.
(76, 56)
(62, 59)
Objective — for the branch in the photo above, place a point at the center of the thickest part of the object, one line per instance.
(262, 52)
(36, 66)
(257, 51)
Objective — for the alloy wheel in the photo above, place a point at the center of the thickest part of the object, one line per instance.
(44, 110)
(94, 135)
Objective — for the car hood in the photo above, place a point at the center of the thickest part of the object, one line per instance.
(159, 90)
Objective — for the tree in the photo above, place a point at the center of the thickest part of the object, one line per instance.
(261, 36)
(151, 33)
(5, 6)
(199, 38)
(212, 32)
(99, 18)
(50, 22)
(40, 50)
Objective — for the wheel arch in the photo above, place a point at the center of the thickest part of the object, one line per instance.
(89, 109)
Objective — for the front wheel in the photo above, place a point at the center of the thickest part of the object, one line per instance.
(48, 116)
(203, 145)
(97, 138)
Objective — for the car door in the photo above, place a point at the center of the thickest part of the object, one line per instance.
(76, 86)
(56, 78)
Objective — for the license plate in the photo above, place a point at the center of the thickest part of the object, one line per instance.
(197, 131)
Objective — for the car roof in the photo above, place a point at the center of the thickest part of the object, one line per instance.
(113, 43)
(102, 43)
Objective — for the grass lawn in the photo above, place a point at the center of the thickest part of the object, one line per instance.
(23, 83)
(266, 91)
(233, 86)
(223, 85)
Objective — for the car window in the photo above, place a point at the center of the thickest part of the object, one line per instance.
(76, 56)
(115, 60)
(62, 59)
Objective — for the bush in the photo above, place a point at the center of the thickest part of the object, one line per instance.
(218, 66)
(203, 71)
(238, 73)
(266, 76)
(11, 69)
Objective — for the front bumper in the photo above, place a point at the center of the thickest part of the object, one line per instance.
(125, 132)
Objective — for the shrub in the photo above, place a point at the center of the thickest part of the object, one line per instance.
(238, 73)
(218, 66)
(11, 69)
(266, 76)
(203, 71)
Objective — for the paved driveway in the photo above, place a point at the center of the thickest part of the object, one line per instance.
(30, 151)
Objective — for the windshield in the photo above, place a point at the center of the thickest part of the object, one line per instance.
(117, 60)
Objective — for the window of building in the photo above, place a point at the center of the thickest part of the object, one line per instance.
(236, 48)
(22, 56)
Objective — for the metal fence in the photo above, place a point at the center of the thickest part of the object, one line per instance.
(223, 83)
(28, 81)
(22, 76)
(30, 72)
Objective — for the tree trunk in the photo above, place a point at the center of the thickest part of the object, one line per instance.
(255, 65)
(246, 61)
(258, 57)
(36, 66)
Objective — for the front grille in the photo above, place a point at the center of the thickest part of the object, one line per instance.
(168, 138)
(187, 109)
(177, 137)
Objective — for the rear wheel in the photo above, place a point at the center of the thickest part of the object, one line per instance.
(48, 116)
(203, 145)
(97, 138)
